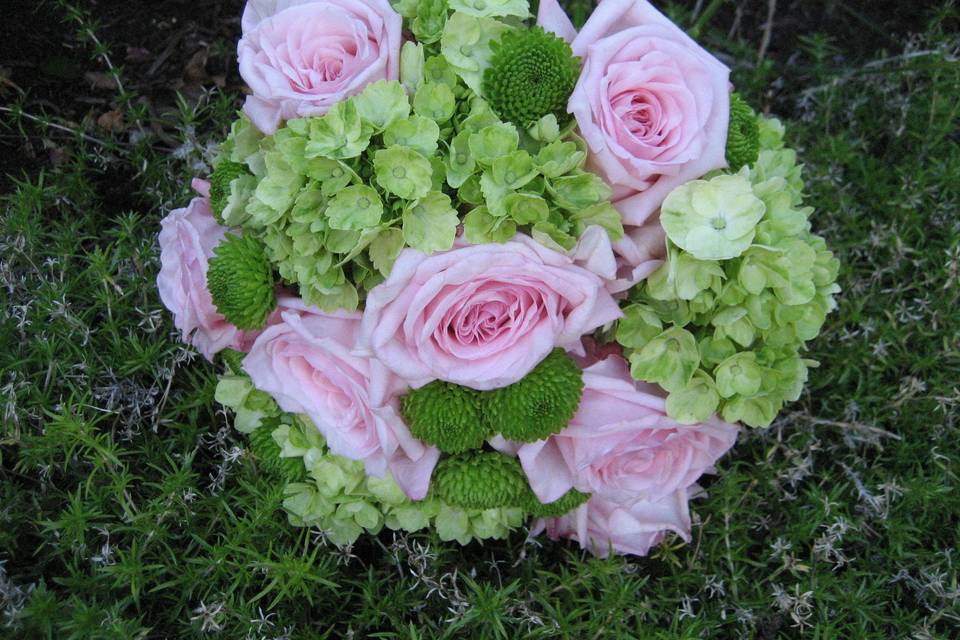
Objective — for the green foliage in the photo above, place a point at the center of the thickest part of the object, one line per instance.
(531, 75)
(540, 404)
(481, 480)
(240, 280)
(445, 415)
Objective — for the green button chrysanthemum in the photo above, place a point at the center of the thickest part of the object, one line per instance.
(539, 405)
(567, 503)
(712, 219)
(481, 480)
(445, 415)
(220, 180)
(532, 74)
(267, 453)
(240, 280)
(743, 134)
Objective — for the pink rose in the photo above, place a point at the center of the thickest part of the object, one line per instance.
(634, 528)
(301, 57)
(305, 363)
(187, 239)
(621, 445)
(651, 103)
(483, 315)
(640, 252)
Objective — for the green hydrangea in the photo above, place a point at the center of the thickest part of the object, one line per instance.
(240, 280)
(712, 219)
(252, 408)
(743, 134)
(336, 494)
(724, 331)
(481, 480)
(531, 75)
(446, 415)
(540, 404)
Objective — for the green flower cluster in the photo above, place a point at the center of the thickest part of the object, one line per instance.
(240, 280)
(531, 75)
(457, 419)
(723, 323)
(334, 493)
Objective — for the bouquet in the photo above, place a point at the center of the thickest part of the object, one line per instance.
(465, 272)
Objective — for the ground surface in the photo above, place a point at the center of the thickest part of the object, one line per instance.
(129, 508)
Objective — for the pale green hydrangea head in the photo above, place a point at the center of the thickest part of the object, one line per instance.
(712, 219)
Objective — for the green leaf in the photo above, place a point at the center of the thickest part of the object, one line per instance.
(341, 241)
(339, 133)
(479, 227)
(430, 223)
(414, 132)
(381, 103)
(278, 190)
(403, 172)
(451, 523)
(470, 191)
(355, 208)
(758, 411)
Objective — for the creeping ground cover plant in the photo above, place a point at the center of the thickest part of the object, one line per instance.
(469, 269)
